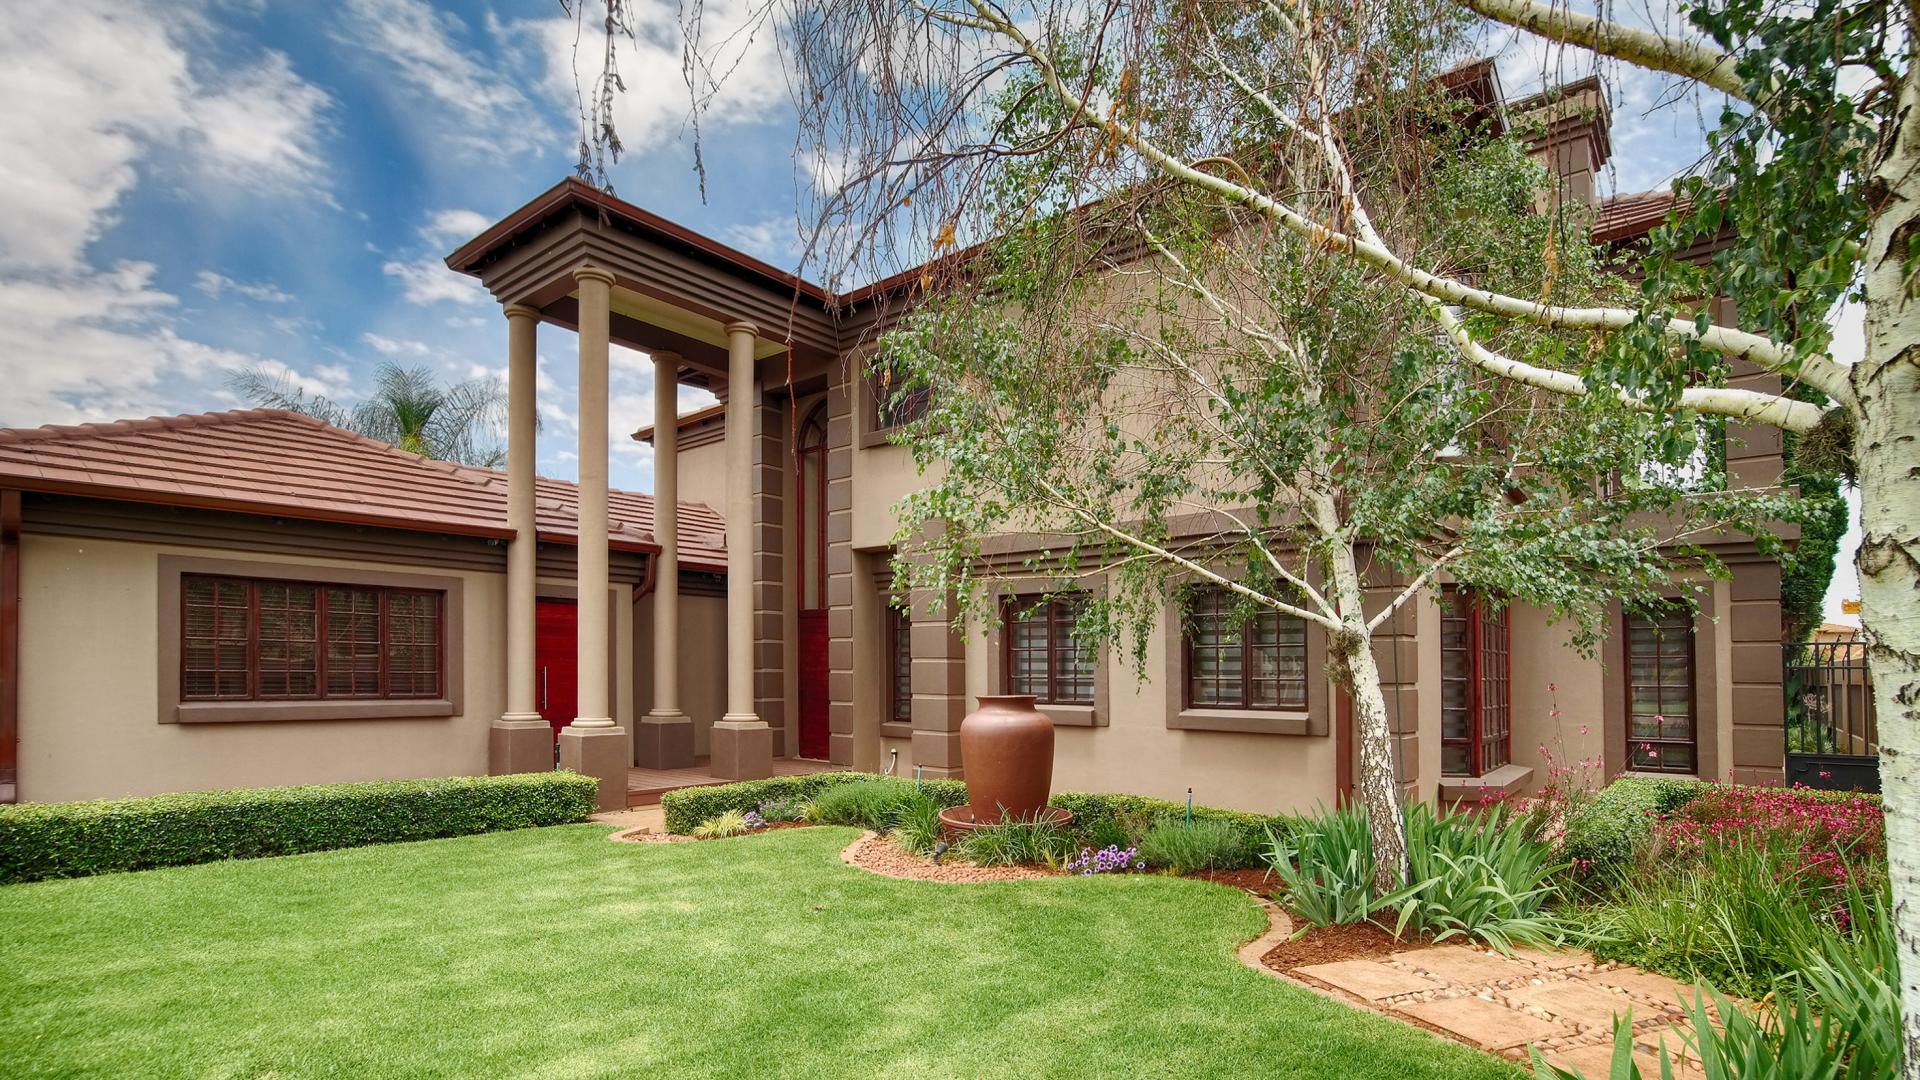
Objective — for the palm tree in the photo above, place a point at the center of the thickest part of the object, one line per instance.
(409, 408)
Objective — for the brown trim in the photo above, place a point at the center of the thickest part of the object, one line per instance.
(1063, 714)
(1246, 647)
(173, 710)
(1312, 720)
(9, 645)
(686, 423)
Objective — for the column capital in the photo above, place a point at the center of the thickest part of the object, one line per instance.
(666, 356)
(742, 326)
(520, 311)
(593, 273)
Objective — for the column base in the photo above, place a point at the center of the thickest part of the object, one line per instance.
(664, 741)
(519, 742)
(599, 752)
(742, 748)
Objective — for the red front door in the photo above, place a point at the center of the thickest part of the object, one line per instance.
(813, 684)
(556, 660)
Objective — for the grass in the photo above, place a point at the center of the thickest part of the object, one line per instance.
(554, 953)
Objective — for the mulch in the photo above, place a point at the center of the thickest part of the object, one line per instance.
(1261, 883)
(1327, 944)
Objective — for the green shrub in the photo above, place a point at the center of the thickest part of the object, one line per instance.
(1614, 828)
(57, 840)
(917, 824)
(1479, 876)
(1326, 868)
(1101, 818)
(688, 807)
(869, 804)
(1015, 843)
(784, 809)
(730, 823)
(1207, 844)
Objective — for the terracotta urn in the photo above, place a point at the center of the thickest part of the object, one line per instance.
(1006, 746)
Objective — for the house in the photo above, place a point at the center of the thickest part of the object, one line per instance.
(765, 632)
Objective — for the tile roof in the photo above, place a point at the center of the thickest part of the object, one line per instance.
(283, 464)
(1624, 217)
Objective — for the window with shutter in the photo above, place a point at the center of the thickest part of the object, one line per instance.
(1044, 654)
(1660, 690)
(1260, 663)
(1476, 707)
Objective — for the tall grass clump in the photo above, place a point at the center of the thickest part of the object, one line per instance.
(1185, 847)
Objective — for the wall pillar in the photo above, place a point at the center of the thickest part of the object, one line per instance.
(665, 736)
(939, 680)
(742, 741)
(593, 745)
(520, 740)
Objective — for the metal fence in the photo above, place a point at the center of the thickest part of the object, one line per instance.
(1830, 732)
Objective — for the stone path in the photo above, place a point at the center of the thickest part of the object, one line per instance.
(1561, 1002)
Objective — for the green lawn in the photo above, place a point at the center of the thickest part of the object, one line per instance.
(553, 953)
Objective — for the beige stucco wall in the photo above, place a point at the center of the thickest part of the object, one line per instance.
(1547, 670)
(89, 687)
(703, 674)
(1137, 753)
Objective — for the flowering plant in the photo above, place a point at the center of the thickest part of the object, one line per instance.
(1569, 786)
(1836, 837)
(1107, 860)
(782, 810)
(753, 820)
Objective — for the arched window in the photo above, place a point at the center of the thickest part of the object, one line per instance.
(810, 518)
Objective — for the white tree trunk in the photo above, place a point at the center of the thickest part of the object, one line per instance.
(1886, 384)
(1377, 782)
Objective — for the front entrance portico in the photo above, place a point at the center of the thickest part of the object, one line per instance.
(578, 258)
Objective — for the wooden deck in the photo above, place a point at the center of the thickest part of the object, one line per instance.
(645, 786)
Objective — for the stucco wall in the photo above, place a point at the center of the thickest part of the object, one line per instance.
(89, 686)
(703, 674)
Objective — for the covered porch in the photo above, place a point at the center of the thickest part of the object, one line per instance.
(645, 786)
(708, 316)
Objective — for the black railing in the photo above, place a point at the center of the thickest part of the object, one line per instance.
(1829, 701)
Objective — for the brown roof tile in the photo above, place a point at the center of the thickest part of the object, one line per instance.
(279, 463)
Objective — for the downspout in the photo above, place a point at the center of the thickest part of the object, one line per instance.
(9, 646)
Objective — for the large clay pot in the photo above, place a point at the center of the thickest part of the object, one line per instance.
(1006, 747)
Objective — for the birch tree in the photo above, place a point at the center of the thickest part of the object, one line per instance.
(1814, 161)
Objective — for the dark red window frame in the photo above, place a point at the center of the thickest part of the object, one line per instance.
(899, 665)
(1663, 750)
(399, 616)
(1476, 683)
(1216, 604)
(1060, 645)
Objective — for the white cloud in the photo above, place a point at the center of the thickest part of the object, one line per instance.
(454, 226)
(214, 285)
(484, 114)
(774, 239)
(428, 281)
(94, 87)
(742, 56)
(395, 347)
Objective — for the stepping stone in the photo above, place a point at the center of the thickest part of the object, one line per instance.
(1555, 959)
(1669, 993)
(1579, 1002)
(1370, 980)
(1596, 1062)
(1488, 1025)
(1467, 967)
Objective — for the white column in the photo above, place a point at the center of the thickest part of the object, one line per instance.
(520, 740)
(742, 742)
(593, 745)
(665, 737)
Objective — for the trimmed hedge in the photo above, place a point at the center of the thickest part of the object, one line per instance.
(1617, 825)
(76, 839)
(688, 807)
(1095, 810)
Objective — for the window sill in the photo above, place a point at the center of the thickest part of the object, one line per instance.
(896, 729)
(1245, 721)
(232, 712)
(1072, 715)
(1503, 781)
(876, 437)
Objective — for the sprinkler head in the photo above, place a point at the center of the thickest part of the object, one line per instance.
(939, 850)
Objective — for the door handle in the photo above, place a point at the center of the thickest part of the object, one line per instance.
(543, 687)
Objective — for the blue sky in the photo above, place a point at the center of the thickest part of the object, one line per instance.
(197, 186)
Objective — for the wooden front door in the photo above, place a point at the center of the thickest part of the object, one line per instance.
(556, 661)
(813, 685)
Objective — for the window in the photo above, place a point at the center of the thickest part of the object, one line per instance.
(810, 489)
(1660, 731)
(1476, 732)
(1045, 657)
(247, 639)
(895, 400)
(1257, 664)
(899, 665)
